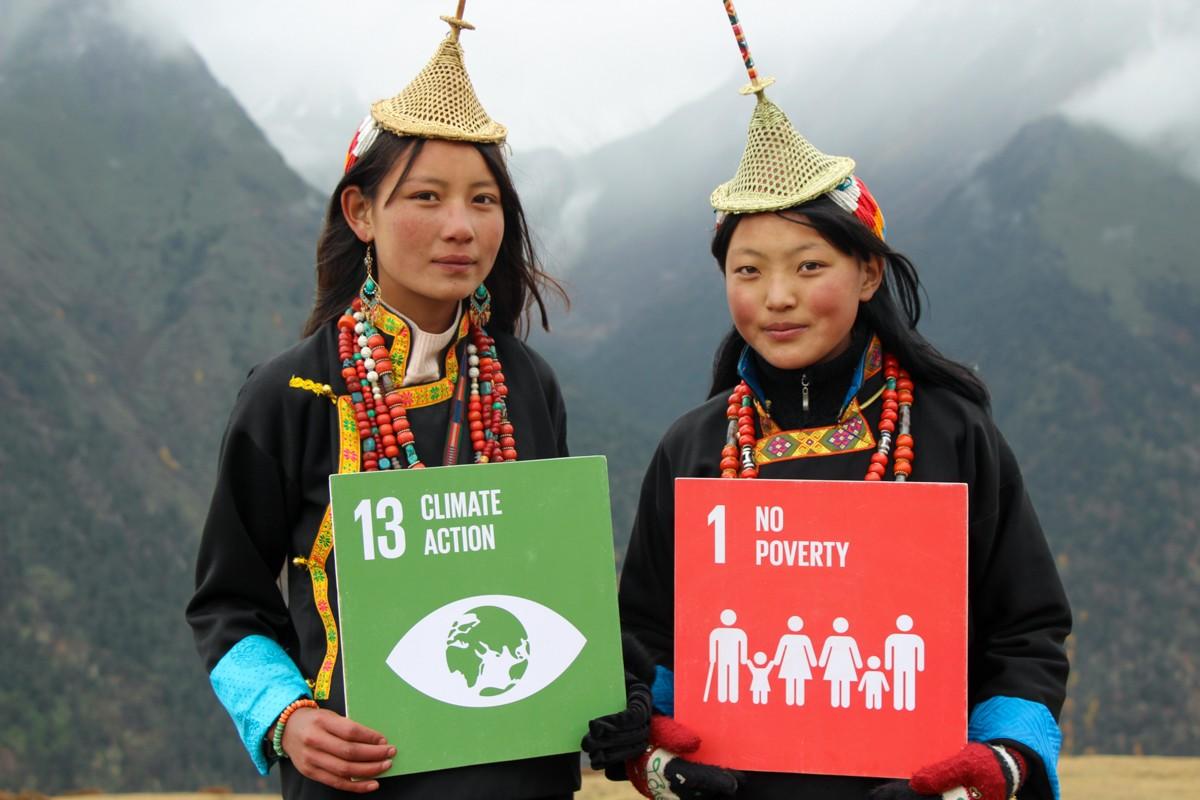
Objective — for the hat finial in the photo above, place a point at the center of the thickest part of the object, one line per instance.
(779, 167)
(457, 23)
(756, 85)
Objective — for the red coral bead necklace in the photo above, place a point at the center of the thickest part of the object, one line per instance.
(737, 457)
(385, 434)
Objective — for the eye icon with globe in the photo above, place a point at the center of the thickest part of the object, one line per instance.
(487, 650)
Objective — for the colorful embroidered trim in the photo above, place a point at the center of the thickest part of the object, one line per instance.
(850, 435)
(348, 460)
(873, 363)
(854, 196)
(426, 394)
(364, 137)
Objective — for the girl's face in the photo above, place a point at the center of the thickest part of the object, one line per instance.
(792, 295)
(436, 233)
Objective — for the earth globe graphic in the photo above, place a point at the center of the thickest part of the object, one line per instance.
(489, 647)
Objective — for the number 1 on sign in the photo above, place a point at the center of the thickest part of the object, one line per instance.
(716, 518)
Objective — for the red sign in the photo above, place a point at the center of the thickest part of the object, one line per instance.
(821, 626)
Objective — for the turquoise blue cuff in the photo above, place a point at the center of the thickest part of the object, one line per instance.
(1022, 721)
(255, 681)
(663, 691)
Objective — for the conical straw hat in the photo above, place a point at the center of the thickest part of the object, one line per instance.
(779, 168)
(440, 103)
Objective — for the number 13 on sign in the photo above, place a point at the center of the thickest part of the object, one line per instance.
(385, 508)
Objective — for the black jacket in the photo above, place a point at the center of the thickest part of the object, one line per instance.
(280, 447)
(1018, 615)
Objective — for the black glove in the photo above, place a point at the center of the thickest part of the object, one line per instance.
(692, 781)
(897, 790)
(613, 739)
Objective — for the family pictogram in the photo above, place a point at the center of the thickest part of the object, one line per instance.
(840, 663)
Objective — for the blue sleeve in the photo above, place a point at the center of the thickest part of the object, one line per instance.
(255, 681)
(663, 691)
(1024, 722)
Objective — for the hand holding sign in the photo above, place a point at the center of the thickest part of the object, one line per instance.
(335, 751)
(661, 773)
(977, 772)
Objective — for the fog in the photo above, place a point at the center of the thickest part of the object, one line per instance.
(573, 76)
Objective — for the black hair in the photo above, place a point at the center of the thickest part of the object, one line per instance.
(892, 313)
(517, 282)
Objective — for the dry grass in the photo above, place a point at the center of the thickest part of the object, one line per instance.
(1129, 777)
(1083, 778)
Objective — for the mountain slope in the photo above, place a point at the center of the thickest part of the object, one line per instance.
(1079, 301)
(153, 246)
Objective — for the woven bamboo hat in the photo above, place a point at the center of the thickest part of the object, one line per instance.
(439, 103)
(779, 167)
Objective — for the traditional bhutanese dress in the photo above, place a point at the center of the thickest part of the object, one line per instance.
(1018, 615)
(265, 612)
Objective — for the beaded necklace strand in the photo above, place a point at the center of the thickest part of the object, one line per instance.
(737, 457)
(383, 428)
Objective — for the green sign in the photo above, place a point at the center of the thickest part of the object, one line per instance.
(477, 608)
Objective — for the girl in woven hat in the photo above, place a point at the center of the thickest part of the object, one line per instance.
(824, 343)
(425, 274)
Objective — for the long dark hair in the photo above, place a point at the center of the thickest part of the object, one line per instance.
(517, 282)
(892, 313)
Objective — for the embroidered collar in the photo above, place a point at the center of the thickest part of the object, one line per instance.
(851, 433)
(426, 394)
(869, 365)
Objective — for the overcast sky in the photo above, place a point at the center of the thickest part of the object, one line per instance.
(575, 74)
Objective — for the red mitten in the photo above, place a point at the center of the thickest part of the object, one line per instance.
(668, 734)
(986, 771)
(661, 774)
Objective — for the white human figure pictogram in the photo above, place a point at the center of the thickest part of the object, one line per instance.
(760, 684)
(727, 651)
(796, 658)
(841, 660)
(904, 655)
(873, 683)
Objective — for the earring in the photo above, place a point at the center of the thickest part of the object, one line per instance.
(369, 293)
(481, 306)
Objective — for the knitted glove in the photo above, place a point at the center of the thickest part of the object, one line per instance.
(661, 774)
(613, 739)
(977, 772)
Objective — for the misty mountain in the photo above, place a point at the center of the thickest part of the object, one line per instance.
(1079, 303)
(919, 112)
(153, 247)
